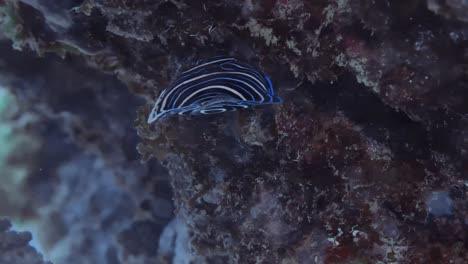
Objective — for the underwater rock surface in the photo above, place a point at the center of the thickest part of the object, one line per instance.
(14, 247)
(365, 161)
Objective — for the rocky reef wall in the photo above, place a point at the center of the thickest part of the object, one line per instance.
(365, 161)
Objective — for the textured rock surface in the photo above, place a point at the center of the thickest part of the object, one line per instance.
(74, 176)
(366, 160)
(15, 248)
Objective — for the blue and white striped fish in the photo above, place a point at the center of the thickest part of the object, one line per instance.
(213, 86)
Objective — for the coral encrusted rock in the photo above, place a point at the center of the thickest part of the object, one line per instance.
(15, 248)
(365, 161)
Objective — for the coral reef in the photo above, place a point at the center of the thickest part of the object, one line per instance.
(364, 162)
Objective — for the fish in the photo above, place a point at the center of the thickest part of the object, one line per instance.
(213, 86)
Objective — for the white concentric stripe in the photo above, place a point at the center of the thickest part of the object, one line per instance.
(205, 99)
(254, 76)
(262, 98)
(207, 111)
(253, 72)
(203, 76)
(213, 87)
(208, 63)
(162, 113)
(242, 98)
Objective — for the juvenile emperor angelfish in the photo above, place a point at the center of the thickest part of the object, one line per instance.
(215, 86)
